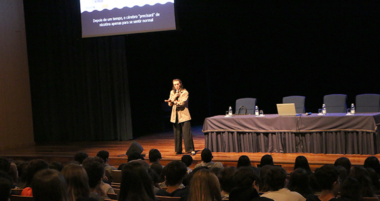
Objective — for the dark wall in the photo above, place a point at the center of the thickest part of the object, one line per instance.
(224, 50)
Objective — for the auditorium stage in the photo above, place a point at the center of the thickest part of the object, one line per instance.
(163, 141)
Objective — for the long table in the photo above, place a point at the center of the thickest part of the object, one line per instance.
(334, 133)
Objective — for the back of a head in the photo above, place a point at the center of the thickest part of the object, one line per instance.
(301, 162)
(372, 162)
(187, 159)
(274, 178)
(80, 156)
(157, 168)
(361, 174)
(56, 166)
(227, 179)
(206, 155)
(300, 182)
(95, 171)
(326, 176)
(247, 193)
(342, 172)
(77, 181)
(103, 155)
(33, 167)
(243, 161)
(4, 164)
(351, 189)
(266, 160)
(246, 176)
(204, 186)
(5, 186)
(345, 162)
(134, 156)
(49, 185)
(136, 183)
(154, 155)
(175, 171)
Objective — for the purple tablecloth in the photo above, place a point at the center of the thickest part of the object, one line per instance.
(333, 133)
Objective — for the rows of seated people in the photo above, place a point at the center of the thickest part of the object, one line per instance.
(90, 178)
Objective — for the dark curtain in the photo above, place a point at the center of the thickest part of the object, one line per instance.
(79, 86)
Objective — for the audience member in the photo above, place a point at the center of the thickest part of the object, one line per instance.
(375, 180)
(33, 167)
(204, 186)
(372, 162)
(301, 162)
(136, 185)
(5, 165)
(243, 161)
(13, 174)
(158, 169)
(263, 171)
(154, 156)
(5, 186)
(188, 177)
(244, 194)
(175, 172)
(138, 158)
(49, 185)
(275, 182)
(247, 176)
(55, 165)
(95, 173)
(155, 179)
(300, 182)
(350, 190)
(188, 160)
(77, 183)
(21, 169)
(344, 162)
(216, 171)
(266, 160)
(342, 173)
(328, 180)
(121, 166)
(80, 156)
(361, 174)
(206, 156)
(105, 156)
(226, 180)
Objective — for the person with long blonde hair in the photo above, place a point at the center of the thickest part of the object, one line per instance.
(204, 186)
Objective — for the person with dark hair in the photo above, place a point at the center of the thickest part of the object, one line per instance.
(266, 160)
(138, 158)
(5, 186)
(77, 183)
(21, 169)
(361, 174)
(154, 156)
(226, 180)
(121, 166)
(188, 160)
(243, 161)
(55, 165)
(180, 117)
(372, 162)
(5, 165)
(301, 162)
(33, 167)
(136, 184)
(344, 162)
(188, 177)
(206, 156)
(375, 180)
(13, 174)
(174, 173)
(158, 169)
(105, 156)
(95, 173)
(204, 187)
(80, 156)
(350, 190)
(327, 178)
(300, 182)
(275, 182)
(49, 185)
(342, 173)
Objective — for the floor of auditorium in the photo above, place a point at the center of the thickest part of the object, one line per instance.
(164, 142)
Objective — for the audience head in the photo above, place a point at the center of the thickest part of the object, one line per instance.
(361, 174)
(80, 156)
(77, 181)
(206, 155)
(243, 161)
(187, 159)
(33, 167)
(103, 155)
(299, 181)
(95, 171)
(246, 176)
(121, 166)
(327, 178)
(21, 169)
(301, 162)
(136, 184)
(188, 177)
(263, 171)
(266, 160)
(56, 166)
(247, 193)
(342, 173)
(135, 156)
(174, 172)
(13, 173)
(154, 155)
(49, 185)
(5, 186)
(226, 179)
(351, 189)
(5, 165)
(375, 179)
(274, 179)
(345, 162)
(204, 186)
(158, 169)
(372, 162)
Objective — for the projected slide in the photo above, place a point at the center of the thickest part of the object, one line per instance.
(115, 17)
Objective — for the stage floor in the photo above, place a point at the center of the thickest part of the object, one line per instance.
(164, 142)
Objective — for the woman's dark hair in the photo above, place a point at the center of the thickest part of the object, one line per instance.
(345, 162)
(351, 189)
(49, 185)
(243, 161)
(103, 155)
(33, 167)
(206, 155)
(342, 173)
(266, 160)
(226, 179)
(154, 155)
(174, 172)
(361, 174)
(274, 178)
(77, 181)
(372, 162)
(301, 162)
(375, 180)
(56, 166)
(246, 176)
(244, 193)
(94, 169)
(136, 184)
(5, 186)
(80, 156)
(300, 182)
(326, 176)
(187, 159)
(159, 170)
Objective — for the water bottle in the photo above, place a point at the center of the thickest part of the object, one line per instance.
(256, 110)
(352, 109)
(230, 111)
(324, 109)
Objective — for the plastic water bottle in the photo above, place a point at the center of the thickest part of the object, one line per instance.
(230, 111)
(257, 110)
(352, 109)
(324, 109)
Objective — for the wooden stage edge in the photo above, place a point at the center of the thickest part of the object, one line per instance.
(64, 152)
